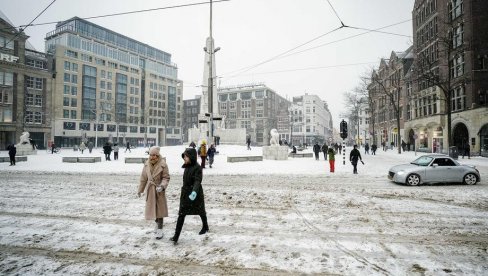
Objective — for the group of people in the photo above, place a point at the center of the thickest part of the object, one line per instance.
(204, 153)
(154, 181)
(330, 152)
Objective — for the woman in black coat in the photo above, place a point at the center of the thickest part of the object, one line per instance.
(192, 200)
(12, 151)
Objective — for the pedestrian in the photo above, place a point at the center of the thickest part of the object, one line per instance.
(107, 149)
(374, 147)
(248, 142)
(193, 145)
(53, 147)
(33, 143)
(467, 151)
(404, 146)
(90, 147)
(331, 154)
(354, 157)
(293, 149)
(116, 151)
(192, 200)
(316, 150)
(127, 146)
(202, 151)
(12, 151)
(325, 148)
(82, 147)
(154, 182)
(211, 154)
(366, 148)
(392, 144)
(408, 146)
(340, 148)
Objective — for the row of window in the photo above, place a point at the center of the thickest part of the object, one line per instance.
(424, 11)
(259, 94)
(109, 128)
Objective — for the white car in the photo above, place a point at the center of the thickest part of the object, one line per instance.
(434, 168)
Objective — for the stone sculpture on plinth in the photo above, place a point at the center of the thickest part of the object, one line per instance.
(275, 151)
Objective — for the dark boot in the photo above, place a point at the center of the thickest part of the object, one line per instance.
(179, 226)
(204, 225)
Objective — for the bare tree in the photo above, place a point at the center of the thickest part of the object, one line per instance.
(353, 100)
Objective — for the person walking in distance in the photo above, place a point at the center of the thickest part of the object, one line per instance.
(354, 157)
(331, 154)
(211, 154)
(192, 200)
(116, 151)
(107, 149)
(248, 142)
(12, 151)
(325, 149)
(154, 181)
(82, 147)
(53, 146)
(316, 150)
(90, 147)
(203, 153)
(127, 146)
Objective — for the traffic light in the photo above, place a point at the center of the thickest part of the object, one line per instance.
(343, 129)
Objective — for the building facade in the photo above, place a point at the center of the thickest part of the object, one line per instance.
(255, 107)
(450, 40)
(25, 88)
(387, 90)
(191, 111)
(310, 121)
(111, 88)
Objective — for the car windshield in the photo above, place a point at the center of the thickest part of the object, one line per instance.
(422, 161)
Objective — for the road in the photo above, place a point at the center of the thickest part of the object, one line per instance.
(68, 223)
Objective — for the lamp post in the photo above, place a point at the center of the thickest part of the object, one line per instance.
(211, 52)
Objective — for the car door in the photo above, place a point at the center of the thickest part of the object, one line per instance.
(434, 172)
(445, 171)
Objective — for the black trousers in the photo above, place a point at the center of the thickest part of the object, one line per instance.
(12, 159)
(116, 155)
(355, 167)
(181, 221)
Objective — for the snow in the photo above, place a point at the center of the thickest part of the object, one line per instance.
(265, 217)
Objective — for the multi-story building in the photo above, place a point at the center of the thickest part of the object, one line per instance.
(109, 87)
(25, 88)
(191, 110)
(255, 107)
(311, 120)
(387, 90)
(450, 41)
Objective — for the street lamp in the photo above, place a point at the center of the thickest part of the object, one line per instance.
(210, 51)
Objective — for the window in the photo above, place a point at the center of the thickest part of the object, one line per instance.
(74, 90)
(67, 65)
(233, 96)
(73, 114)
(66, 89)
(246, 114)
(38, 100)
(30, 99)
(260, 103)
(67, 77)
(74, 102)
(232, 115)
(259, 113)
(456, 8)
(223, 106)
(259, 94)
(457, 36)
(457, 66)
(232, 105)
(65, 101)
(245, 124)
(246, 95)
(458, 99)
(74, 79)
(65, 113)
(246, 104)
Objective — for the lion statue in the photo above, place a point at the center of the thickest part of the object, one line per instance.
(24, 138)
(275, 137)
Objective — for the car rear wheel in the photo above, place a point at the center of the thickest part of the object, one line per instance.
(413, 180)
(470, 179)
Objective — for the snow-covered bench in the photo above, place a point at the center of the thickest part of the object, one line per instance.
(300, 155)
(233, 159)
(17, 159)
(70, 159)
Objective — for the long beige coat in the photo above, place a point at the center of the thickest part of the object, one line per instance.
(156, 205)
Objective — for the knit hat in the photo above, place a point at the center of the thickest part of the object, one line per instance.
(154, 150)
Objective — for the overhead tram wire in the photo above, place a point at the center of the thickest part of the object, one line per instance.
(350, 37)
(30, 24)
(125, 13)
(245, 69)
(284, 55)
(342, 23)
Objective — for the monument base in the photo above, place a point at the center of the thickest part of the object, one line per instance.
(25, 149)
(275, 152)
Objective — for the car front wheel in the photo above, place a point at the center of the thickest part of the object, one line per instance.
(470, 179)
(413, 180)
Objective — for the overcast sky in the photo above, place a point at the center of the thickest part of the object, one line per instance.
(249, 32)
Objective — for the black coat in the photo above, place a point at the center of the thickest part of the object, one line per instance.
(316, 148)
(12, 150)
(354, 156)
(325, 148)
(192, 181)
(107, 149)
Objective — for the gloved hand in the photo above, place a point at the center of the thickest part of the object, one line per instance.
(362, 162)
(159, 188)
(139, 194)
(193, 195)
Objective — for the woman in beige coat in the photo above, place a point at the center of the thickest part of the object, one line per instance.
(154, 181)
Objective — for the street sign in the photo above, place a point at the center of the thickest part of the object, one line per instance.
(330, 139)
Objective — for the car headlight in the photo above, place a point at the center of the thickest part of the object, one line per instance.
(401, 173)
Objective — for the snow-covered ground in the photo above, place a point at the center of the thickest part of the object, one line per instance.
(266, 217)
